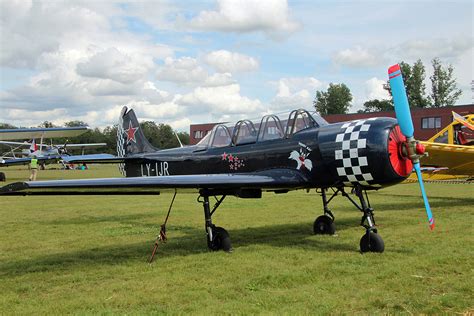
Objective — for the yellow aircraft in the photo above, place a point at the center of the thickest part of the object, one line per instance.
(451, 151)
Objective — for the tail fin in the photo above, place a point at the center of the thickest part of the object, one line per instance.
(130, 137)
(33, 146)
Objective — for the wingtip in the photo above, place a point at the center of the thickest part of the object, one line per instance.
(13, 188)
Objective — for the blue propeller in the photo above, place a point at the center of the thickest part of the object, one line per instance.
(402, 111)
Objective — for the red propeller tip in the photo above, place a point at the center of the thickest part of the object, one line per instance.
(393, 68)
(432, 224)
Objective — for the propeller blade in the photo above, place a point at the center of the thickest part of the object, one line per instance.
(425, 198)
(402, 111)
(400, 101)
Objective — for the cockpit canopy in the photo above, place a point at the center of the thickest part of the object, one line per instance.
(270, 127)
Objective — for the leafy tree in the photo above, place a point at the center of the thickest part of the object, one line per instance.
(160, 136)
(75, 124)
(47, 124)
(336, 100)
(184, 138)
(377, 106)
(7, 126)
(413, 78)
(444, 91)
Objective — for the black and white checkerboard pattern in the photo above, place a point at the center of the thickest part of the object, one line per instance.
(120, 148)
(350, 155)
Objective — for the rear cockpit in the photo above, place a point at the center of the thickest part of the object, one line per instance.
(270, 127)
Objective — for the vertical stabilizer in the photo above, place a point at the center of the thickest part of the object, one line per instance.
(130, 137)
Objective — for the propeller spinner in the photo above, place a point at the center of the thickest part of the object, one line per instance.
(414, 150)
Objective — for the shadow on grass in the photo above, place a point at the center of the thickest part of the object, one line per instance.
(414, 202)
(193, 242)
(87, 219)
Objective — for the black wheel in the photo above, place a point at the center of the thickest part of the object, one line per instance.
(324, 225)
(371, 242)
(220, 240)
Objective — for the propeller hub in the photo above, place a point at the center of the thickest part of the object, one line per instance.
(398, 153)
(420, 149)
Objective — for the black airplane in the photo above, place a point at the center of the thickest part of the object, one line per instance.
(276, 154)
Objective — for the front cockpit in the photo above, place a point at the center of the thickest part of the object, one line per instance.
(269, 127)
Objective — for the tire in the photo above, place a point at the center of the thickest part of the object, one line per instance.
(221, 240)
(324, 225)
(371, 242)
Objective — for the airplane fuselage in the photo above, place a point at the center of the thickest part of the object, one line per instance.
(346, 153)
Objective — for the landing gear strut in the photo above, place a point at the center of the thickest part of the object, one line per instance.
(217, 237)
(370, 241)
(324, 224)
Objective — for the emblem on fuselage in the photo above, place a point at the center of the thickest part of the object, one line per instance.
(235, 163)
(301, 157)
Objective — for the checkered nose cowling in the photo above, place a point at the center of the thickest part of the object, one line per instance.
(357, 152)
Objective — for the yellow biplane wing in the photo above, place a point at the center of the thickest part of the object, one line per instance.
(452, 148)
(458, 159)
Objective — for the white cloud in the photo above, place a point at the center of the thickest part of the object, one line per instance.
(357, 57)
(219, 79)
(31, 28)
(222, 99)
(116, 65)
(270, 16)
(225, 61)
(445, 48)
(374, 89)
(182, 70)
(297, 92)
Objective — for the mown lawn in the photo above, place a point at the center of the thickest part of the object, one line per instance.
(88, 254)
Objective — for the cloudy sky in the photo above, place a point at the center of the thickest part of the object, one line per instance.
(182, 62)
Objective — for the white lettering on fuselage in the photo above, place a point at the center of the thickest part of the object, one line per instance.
(156, 169)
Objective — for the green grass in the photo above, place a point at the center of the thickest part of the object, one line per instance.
(86, 255)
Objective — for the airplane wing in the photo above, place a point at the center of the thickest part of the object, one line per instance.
(93, 158)
(238, 184)
(17, 144)
(29, 133)
(458, 159)
(26, 160)
(90, 145)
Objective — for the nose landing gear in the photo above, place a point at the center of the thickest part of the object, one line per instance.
(324, 224)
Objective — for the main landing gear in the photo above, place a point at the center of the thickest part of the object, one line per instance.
(217, 237)
(324, 224)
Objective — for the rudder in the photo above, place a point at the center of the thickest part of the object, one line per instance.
(130, 137)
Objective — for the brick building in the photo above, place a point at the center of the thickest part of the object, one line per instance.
(427, 122)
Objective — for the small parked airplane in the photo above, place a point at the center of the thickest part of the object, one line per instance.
(300, 152)
(44, 153)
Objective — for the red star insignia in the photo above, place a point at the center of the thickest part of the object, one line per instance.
(231, 158)
(131, 133)
(224, 156)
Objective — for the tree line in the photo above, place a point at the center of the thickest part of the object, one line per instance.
(444, 91)
(159, 135)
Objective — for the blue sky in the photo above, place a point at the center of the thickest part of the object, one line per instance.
(199, 61)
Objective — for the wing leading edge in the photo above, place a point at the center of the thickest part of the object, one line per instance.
(275, 179)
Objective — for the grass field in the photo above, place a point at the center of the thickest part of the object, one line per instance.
(86, 255)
